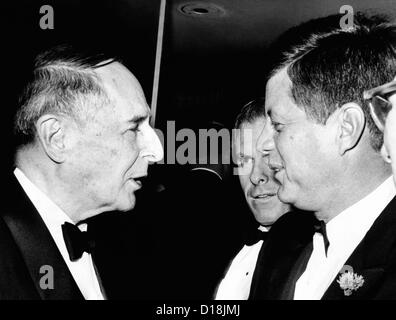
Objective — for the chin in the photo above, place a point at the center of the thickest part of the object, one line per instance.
(262, 217)
(127, 204)
(265, 220)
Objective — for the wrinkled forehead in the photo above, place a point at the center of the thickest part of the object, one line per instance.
(122, 87)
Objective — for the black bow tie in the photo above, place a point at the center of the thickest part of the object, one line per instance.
(77, 241)
(254, 236)
(320, 227)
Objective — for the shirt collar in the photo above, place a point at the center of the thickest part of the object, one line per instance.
(263, 228)
(52, 215)
(354, 222)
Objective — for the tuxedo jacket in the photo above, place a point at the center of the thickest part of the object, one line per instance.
(374, 259)
(25, 247)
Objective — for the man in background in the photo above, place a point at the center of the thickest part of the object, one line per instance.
(260, 191)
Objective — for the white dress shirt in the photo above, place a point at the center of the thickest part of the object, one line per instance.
(236, 283)
(345, 231)
(82, 270)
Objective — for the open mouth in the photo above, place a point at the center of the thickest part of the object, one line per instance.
(263, 196)
(139, 180)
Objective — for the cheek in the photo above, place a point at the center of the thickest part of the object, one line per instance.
(104, 158)
(289, 148)
(244, 181)
(301, 156)
(95, 159)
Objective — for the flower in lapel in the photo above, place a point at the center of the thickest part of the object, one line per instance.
(350, 281)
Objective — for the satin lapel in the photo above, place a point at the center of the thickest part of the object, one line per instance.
(370, 257)
(37, 246)
(286, 241)
(278, 273)
(296, 240)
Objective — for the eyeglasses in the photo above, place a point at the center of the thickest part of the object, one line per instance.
(379, 103)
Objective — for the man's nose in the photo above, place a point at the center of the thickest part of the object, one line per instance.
(151, 149)
(258, 174)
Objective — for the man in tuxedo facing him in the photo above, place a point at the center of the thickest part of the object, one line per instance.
(260, 191)
(325, 149)
(84, 143)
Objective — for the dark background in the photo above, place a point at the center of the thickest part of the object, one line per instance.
(211, 66)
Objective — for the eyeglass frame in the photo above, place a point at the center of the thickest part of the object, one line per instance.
(380, 92)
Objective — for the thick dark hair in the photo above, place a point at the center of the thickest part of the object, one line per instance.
(250, 112)
(332, 68)
(62, 81)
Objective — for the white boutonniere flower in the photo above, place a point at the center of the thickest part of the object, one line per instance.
(349, 282)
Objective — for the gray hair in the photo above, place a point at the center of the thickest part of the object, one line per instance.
(63, 82)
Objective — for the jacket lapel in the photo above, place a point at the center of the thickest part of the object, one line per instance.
(37, 246)
(370, 257)
(286, 241)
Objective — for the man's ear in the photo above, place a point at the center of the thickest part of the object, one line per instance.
(50, 131)
(352, 123)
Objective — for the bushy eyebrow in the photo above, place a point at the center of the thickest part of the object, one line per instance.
(271, 115)
(139, 118)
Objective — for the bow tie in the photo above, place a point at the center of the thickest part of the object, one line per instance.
(320, 227)
(254, 236)
(77, 241)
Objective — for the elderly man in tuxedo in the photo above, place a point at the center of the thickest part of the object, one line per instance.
(84, 143)
(325, 149)
(260, 191)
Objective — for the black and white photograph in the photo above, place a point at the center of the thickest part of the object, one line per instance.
(202, 156)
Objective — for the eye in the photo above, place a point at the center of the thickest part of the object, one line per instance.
(132, 132)
(243, 160)
(277, 126)
(134, 129)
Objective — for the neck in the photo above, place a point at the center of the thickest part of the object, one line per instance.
(47, 177)
(363, 180)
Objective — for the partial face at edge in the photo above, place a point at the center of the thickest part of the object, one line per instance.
(390, 137)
